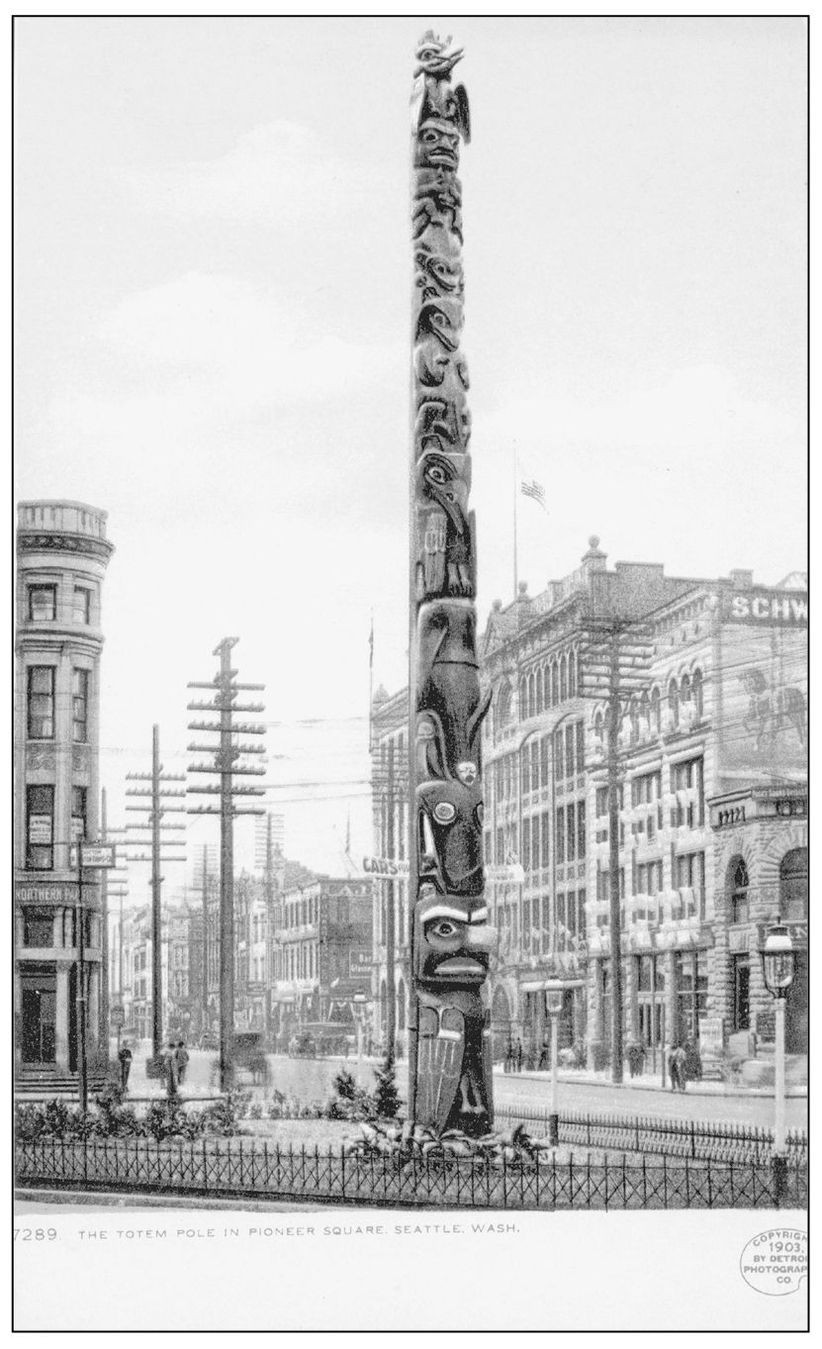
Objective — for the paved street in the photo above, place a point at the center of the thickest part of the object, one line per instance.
(311, 1080)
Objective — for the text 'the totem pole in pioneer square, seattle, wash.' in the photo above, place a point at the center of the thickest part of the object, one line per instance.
(450, 1050)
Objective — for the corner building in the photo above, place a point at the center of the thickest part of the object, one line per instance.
(713, 831)
(62, 555)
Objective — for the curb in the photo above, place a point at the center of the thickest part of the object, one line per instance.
(720, 1092)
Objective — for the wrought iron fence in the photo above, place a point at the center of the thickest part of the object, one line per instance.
(695, 1139)
(256, 1169)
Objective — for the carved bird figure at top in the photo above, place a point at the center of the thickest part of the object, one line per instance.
(434, 57)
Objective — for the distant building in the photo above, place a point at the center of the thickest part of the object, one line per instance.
(389, 804)
(62, 555)
(713, 813)
(323, 952)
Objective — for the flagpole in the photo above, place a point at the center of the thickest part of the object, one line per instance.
(371, 684)
(516, 494)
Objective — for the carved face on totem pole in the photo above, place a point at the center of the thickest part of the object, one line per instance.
(452, 947)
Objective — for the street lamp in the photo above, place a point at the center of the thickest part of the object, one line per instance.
(359, 1017)
(553, 1000)
(778, 968)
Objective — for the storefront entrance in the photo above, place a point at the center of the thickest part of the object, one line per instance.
(39, 1017)
(651, 1010)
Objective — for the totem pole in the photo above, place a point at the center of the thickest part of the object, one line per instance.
(450, 1049)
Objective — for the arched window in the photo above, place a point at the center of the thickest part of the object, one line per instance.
(644, 716)
(504, 705)
(697, 691)
(532, 694)
(633, 718)
(793, 886)
(656, 714)
(685, 690)
(673, 702)
(572, 675)
(543, 688)
(554, 684)
(740, 908)
(563, 677)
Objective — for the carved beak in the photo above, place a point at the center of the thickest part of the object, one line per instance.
(447, 498)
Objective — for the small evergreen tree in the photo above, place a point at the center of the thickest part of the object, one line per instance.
(386, 1096)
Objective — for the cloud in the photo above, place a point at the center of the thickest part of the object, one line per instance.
(238, 343)
(279, 172)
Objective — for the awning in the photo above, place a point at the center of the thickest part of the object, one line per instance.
(541, 986)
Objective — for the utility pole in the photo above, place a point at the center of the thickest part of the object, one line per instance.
(151, 835)
(104, 1028)
(390, 916)
(616, 660)
(226, 764)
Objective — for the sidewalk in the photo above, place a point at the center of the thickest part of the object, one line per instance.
(644, 1082)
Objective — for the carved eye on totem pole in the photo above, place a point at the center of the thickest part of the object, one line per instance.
(437, 274)
(434, 58)
(450, 836)
(453, 941)
(441, 319)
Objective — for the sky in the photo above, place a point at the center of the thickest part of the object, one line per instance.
(212, 342)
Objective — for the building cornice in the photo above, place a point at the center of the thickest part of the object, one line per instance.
(52, 541)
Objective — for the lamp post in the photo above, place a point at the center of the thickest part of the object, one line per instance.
(359, 1017)
(778, 968)
(553, 999)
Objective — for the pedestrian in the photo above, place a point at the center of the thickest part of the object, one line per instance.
(170, 1065)
(519, 1055)
(181, 1059)
(545, 1055)
(125, 1056)
(673, 1069)
(680, 1057)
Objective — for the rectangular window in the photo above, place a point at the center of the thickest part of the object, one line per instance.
(570, 741)
(581, 913)
(38, 927)
(602, 801)
(526, 846)
(535, 854)
(571, 913)
(688, 777)
(534, 766)
(79, 703)
(500, 848)
(546, 837)
(79, 797)
(561, 914)
(81, 609)
(560, 839)
(570, 833)
(559, 755)
(42, 603)
(544, 757)
(580, 730)
(580, 829)
(39, 828)
(742, 992)
(40, 702)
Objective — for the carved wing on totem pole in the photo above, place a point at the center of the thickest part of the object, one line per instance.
(451, 939)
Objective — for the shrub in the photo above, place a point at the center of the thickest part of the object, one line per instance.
(386, 1098)
(345, 1085)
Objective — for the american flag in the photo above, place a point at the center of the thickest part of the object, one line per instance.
(535, 490)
